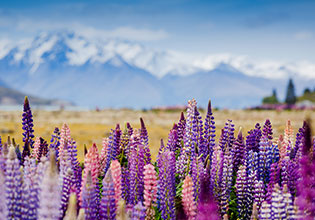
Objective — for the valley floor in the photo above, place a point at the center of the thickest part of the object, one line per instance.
(92, 126)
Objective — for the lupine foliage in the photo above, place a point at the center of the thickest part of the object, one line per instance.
(194, 177)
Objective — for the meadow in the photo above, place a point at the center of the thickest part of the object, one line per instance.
(88, 127)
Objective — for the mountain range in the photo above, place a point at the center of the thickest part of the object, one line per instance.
(117, 73)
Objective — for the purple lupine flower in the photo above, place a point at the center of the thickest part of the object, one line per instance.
(253, 139)
(27, 122)
(249, 193)
(172, 140)
(265, 157)
(252, 162)
(197, 137)
(188, 135)
(209, 134)
(259, 193)
(138, 212)
(277, 204)
(49, 196)
(136, 169)
(145, 141)
(0, 145)
(226, 184)
(125, 184)
(240, 187)
(182, 166)
(239, 151)
(293, 176)
(13, 183)
(129, 129)
(65, 191)
(267, 130)
(274, 179)
(180, 131)
(288, 203)
(75, 165)
(55, 141)
(265, 211)
(216, 171)
(30, 190)
(108, 203)
(90, 199)
(113, 146)
(3, 205)
(197, 174)
(166, 184)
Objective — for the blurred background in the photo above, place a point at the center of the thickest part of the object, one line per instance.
(79, 60)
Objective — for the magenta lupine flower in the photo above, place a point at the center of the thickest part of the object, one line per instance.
(3, 205)
(108, 204)
(28, 134)
(166, 184)
(116, 175)
(90, 198)
(138, 212)
(150, 190)
(49, 196)
(188, 198)
(145, 141)
(13, 183)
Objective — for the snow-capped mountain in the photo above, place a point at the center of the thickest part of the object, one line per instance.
(118, 73)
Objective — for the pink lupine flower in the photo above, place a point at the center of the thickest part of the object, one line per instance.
(103, 155)
(150, 190)
(36, 148)
(116, 175)
(64, 139)
(92, 164)
(188, 198)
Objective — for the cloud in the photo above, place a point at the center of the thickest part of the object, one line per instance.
(303, 35)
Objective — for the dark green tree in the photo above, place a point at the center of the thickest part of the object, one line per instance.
(271, 99)
(290, 97)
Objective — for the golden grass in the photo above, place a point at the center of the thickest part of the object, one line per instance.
(91, 126)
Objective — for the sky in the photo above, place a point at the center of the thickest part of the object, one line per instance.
(282, 30)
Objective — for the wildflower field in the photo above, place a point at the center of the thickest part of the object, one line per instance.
(205, 166)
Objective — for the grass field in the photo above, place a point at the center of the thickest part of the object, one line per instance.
(92, 126)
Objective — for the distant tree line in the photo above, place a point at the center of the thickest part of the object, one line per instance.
(290, 98)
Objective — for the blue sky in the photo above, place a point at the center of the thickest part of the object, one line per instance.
(268, 29)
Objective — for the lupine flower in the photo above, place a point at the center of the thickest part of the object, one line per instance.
(13, 183)
(253, 139)
(239, 151)
(240, 186)
(49, 196)
(89, 198)
(138, 212)
(65, 192)
(108, 204)
(216, 171)
(3, 205)
(188, 199)
(116, 175)
(113, 146)
(145, 141)
(188, 135)
(267, 130)
(27, 122)
(166, 184)
(150, 190)
(265, 211)
(209, 134)
(55, 141)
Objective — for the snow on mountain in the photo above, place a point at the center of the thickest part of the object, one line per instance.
(118, 73)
